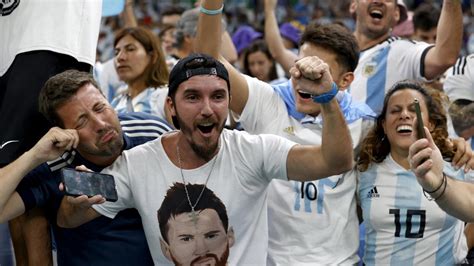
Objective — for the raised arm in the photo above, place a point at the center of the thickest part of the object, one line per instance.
(334, 156)
(283, 56)
(448, 40)
(128, 15)
(49, 147)
(208, 41)
(453, 196)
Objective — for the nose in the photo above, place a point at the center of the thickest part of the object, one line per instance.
(98, 123)
(404, 114)
(120, 56)
(200, 248)
(206, 109)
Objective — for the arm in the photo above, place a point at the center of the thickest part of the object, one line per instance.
(448, 40)
(334, 156)
(208, 41)
(283, 56)
(37, 235)
(228, 50)
(49, 147)
(427, 163)
(128, 15)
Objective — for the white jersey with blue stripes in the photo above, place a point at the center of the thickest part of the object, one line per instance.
(402, 226)
(150, 101)
(383, 65)
(459, 83)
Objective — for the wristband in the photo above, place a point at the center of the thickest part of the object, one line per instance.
(443, 184)
(210, 11)
(326, 97)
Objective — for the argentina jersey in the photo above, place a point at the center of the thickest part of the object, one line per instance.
(138, 128)
(381, 66)
(402, 226)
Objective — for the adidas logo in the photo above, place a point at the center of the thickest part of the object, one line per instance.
(373, 193)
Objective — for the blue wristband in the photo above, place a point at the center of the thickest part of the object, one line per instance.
(326, 97)
(211, 12)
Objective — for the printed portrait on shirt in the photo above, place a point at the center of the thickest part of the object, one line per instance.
(194, 226)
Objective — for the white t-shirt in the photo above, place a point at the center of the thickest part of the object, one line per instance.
(310, 222)
(402, 226)
(64, 26)
(381, 66)
(244, 167)
(150, 101)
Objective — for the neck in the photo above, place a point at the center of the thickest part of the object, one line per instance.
(136, 87)
(366, 42)
(190, 159)
(401, 157)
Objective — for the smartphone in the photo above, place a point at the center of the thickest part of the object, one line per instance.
(77, 183)
(419, 125)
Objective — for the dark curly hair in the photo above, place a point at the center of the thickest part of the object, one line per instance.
(375, 147)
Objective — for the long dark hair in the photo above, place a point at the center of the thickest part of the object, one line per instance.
(376, 147)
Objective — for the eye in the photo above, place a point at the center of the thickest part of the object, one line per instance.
(191, 97)
(186, 238)
(82, 122)
(99, 108)
(212, 235)
(219, 96)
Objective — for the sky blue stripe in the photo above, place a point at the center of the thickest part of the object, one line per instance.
(445, 253)
(367, 181)
(407, 196)
(376, 82)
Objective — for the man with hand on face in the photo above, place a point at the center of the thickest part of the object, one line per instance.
(235, 165)
(206, 243)
(89, 133)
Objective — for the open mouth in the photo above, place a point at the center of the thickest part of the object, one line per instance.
(206, 128)
(404, 129)
(377, 14)
(304, 95)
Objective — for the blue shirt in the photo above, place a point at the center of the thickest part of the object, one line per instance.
(102, 241)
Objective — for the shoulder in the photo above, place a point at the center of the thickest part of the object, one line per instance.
(138, 121)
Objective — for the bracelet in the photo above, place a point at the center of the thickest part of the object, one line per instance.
(443, 184)
(326, 97)
(210, 11)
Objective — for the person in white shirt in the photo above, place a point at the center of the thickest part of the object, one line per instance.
(237, 166)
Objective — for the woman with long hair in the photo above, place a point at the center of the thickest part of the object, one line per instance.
(140, 63)
(403, 225)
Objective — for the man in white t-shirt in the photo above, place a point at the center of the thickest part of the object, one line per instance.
(386, 59)
(326, 207)
(235, 165)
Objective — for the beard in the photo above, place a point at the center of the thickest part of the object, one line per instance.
(206, 151)
(222, 261)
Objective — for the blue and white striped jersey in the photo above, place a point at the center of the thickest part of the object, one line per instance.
(402, 226)
(383, 65)
(150, 101)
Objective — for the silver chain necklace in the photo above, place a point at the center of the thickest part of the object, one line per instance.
(194, 215)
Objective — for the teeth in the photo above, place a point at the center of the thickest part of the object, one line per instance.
(376, 12)
(404, 128)
(206, 124)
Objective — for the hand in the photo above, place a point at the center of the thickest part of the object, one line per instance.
(270, 5)
(463, 155)
(312, 75)
(54, 143)
(426, 162)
